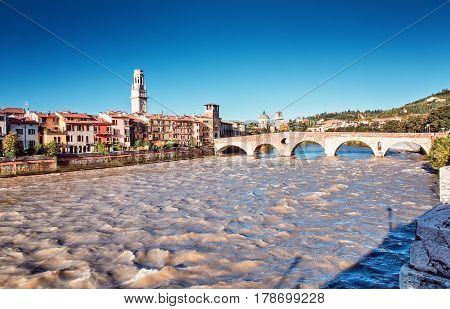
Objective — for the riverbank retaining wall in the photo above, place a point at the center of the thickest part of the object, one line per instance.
(65, 163)
(429, 265)
(29, 165)
(444, 184)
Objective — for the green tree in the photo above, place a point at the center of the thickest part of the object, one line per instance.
(11, 145)
(137, 143)
(101, 148)
(31, 151)
(415, 123)
(39, 149)
(302, 127)
(51, 149)
(394, 126)
(191, 142)
(440, 153)
(148, 145)
(116, 146)
(168, 145)
(253, 128)
(439, 118)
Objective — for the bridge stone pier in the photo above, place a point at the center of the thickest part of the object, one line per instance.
(286, 142)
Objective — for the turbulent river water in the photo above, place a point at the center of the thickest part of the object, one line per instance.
(217, 222)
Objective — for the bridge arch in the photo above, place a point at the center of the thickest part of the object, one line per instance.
(232, 148)
(357, 142)
(286, 142)
(257, 149)
(423, 148)
(305, 142)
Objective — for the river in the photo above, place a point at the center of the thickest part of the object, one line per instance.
(218, 222)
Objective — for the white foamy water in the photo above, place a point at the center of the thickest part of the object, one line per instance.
(217, 222)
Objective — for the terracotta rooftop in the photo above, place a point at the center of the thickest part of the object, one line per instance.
(47, 115)
(91, 121)
(12, 110)
(22, 120)
(73, 115)
(137, 119)
(101, 122)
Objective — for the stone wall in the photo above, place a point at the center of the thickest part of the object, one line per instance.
(65, 163)
(285, 142)
(429, 265)
(27, 166)
(444, 184)
(93, 161)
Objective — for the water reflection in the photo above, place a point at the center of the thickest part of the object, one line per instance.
(309, 151)
(266, 151)
(312, 151)
(354, 152)
(403, 155)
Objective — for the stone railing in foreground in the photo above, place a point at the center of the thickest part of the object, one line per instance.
(429, 265)
(64, 163)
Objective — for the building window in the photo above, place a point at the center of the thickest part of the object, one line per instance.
(19, 131)
(114, 122)
(31, 131)
(2, 118)
(87, 139)
(79, 138)
(31, 144)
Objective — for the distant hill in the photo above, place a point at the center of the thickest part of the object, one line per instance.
(421, 106)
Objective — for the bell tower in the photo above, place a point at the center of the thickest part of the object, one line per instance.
(212, 111)
(138, 93)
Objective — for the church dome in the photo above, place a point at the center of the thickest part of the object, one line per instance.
(264, 116)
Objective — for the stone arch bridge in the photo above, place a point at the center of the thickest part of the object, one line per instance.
(286, 142)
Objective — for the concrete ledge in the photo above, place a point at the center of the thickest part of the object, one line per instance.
(444, 184)
(413, 279)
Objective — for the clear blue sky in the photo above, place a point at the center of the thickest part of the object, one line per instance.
(247, 56)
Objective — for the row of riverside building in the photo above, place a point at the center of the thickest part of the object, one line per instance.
(79, 132)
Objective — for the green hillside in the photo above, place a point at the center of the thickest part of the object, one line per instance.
(420, 106)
